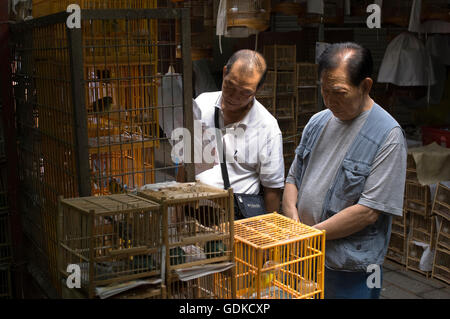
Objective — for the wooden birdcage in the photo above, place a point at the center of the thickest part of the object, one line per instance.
(441, 265)
(254, 14)
(441, 202)
(285, 82)
(278, 258)
(197, 223)
(268, 102)
(213, 286)
(5, 238)
(5, 281)
(418, 198)
(306, 74)
(397, 248)
(112, 239)
(280, 57)
(284, 107)
(269, 86)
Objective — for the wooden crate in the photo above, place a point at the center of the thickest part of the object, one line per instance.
(197, 221)
(277, 257)
(112, 239)
(441, 265)
(280, 57)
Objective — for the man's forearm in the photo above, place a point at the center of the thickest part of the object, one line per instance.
(348, 221)
(290, 201)
(272, 199)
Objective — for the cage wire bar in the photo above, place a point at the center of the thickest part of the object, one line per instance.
(92, 117)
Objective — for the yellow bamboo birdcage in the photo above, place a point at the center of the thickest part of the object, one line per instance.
(278, 258)
(112, 239)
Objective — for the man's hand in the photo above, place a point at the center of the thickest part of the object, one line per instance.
(290, 201)
(272, 199)
(348, 221)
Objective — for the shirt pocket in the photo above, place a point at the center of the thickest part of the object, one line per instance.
(352, 181)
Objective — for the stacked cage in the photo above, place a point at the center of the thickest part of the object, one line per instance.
(111, 239)
(197, 232)
(87, 112)
(5, 224)
(401, 224)
(441, 210)
(278, 258)
(278, 94)
(422, 226)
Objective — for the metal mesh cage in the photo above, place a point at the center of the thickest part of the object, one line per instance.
(111, 238)
(277, 257)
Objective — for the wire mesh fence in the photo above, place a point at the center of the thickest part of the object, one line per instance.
(96, 107)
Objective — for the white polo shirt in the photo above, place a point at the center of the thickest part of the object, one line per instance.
(254, 148)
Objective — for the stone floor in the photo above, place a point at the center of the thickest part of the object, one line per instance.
(401, 284)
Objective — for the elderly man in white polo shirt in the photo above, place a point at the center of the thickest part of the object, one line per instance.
(252, 139)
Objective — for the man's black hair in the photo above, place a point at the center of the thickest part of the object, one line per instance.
(250, 60)
(359, 63)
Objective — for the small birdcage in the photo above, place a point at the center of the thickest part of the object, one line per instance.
(441, 265)
(284, 107)
(197, 223)
(5, 238)
(280, 57)
(397, 249)
(418, 198)
(268, 88)
(441, 203)
(285, 82)
(111, 239)
(213, 286)
(278, 258)
(5, 281)
(254, 14)
(307, 74)
(268, 102)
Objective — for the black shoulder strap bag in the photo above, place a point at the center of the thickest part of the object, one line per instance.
(245, 205)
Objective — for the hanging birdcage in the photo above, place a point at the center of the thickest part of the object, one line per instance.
(254, 14)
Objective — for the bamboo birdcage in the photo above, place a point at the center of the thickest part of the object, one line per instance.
(441, 265)
(254, 14)
(418, 198)
(284, 108)
(5, 238)
(397, 248)
(269, 86)
(111, 238)
(212, 286)
(197, 223)
(277, 257)
(5, 281)
(280, 57)
(441, 203)
(306, 74)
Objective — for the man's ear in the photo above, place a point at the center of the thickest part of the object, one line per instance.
(366, 85)
(224, 71)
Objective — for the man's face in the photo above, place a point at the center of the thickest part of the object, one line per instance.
(339, 95)
(238, 89)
